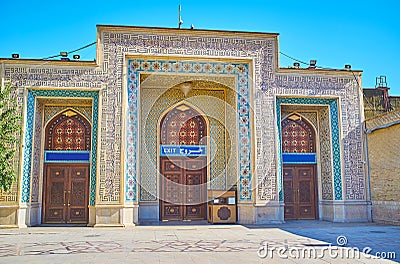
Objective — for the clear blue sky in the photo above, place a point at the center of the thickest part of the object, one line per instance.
(365, 34)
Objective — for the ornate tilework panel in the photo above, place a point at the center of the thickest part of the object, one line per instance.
(218, 155)
(231, 139)
(266, 147)
(325, 154)
(28, 140)
(111, 135)
(36, 161)
(135, 66)
(54, 77)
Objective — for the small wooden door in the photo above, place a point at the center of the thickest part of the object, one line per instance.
(299, 192)
(66, 193)
(183, 189)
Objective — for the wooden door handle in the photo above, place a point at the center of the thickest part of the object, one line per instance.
(65, 198)
(69, 198)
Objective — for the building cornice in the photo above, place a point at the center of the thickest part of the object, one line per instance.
(319, 71)
(41, 62)
(182, 31)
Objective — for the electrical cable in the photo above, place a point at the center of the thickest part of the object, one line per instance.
(292, 58)
(328, 68)
(71, 52)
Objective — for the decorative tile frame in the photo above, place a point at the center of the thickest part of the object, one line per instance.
(241, 70)
(29, 126)
(335, 137)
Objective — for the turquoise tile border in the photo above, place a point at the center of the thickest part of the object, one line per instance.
(32, 94)
(240, 70)
(335, 135)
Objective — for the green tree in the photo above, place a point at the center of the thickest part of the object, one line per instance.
(10, 127)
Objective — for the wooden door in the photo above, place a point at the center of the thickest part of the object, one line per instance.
(184, 177)
(299, 192)
(66, 193)
(183, 188)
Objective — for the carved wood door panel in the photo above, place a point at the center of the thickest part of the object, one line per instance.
(299, 192)
(195, 189)
(66, 193)
(183, 189)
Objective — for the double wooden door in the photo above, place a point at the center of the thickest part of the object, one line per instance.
(66, 194)
(299, 191)
(183, 188)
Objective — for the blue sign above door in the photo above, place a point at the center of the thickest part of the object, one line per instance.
(183, 150)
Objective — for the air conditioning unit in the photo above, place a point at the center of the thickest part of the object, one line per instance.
(222, 207)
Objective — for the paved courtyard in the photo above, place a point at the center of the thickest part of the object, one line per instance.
(293, 242)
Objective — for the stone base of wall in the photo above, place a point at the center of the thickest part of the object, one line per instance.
(246, 214)
(149, 213)
(34, 214)
(99, 216)
(270, 213)
(13, 216)
(8, 216)
(345, 211)
(130, 215)
(113, 215)
(108, 216)
(386, 212)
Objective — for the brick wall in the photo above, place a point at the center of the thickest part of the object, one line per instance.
(384, 158)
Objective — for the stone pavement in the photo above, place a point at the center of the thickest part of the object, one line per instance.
(292, 242)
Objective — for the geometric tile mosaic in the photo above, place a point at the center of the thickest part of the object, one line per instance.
(325, 154)
(37, 152)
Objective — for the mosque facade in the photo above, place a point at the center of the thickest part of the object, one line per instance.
(164, 116)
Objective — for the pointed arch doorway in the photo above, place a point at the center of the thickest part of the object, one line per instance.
(183, 164)
(299, 168)
(66, 169)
